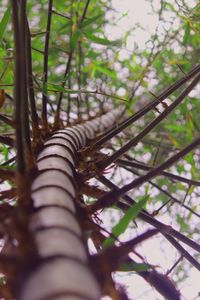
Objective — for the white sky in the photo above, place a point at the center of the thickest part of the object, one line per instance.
(138, 11)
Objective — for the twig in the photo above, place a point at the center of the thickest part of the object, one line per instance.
(103, 164)
(166, 230)
(45, 66)
(111, 197)
(111, 133)
(68, 66)
(138, 165)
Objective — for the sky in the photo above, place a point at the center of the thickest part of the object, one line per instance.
(138, 11)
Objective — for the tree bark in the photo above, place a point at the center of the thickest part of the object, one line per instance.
(61, 269)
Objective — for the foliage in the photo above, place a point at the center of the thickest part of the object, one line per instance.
(83, 77)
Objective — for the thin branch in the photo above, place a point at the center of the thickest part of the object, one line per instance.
(111, 133)
(6, 140)
(33, 109)
(171, 176)
(166, 230)
(111, 197)
(166, 193)
(174, 265)
(60, 14)
(8, 162)
(7, 121)
(68, 66)
(84, 12)
(45, 66)
(103, 164)
(183, 252)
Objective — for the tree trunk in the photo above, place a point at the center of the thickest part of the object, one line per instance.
(62, 269)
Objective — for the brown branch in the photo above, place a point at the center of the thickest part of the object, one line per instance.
(45, 66)
(115, 255)
(111, 133)
(162, 284)
(8, 194)
(145, 216)
(112, 197)
(7, 121)
(7, 140)
(68, 66)
(8, 162)
(60, 14)
(103, 164)
(7, 174)
(167, 194)
(33, 109)
(138, 165)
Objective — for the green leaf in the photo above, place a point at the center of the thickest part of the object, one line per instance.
(123, 223)
(101, 68)
(74, 38)
(101, 41)
(57, 88)
(175, 127)
(186, 36)
(4, 151)
(3, 23)
(89, 21)
(132, 266)
(183, 225)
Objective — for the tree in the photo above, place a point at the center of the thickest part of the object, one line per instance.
(65, 126)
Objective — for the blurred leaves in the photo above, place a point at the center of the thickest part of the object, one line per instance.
(3, 24)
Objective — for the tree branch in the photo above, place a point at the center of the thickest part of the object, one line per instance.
(112, 132)
(45, 66)
(103, 164)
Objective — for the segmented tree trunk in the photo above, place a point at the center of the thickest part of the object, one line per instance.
(62, 270)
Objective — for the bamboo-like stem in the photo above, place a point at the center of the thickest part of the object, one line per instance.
(54, 223)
